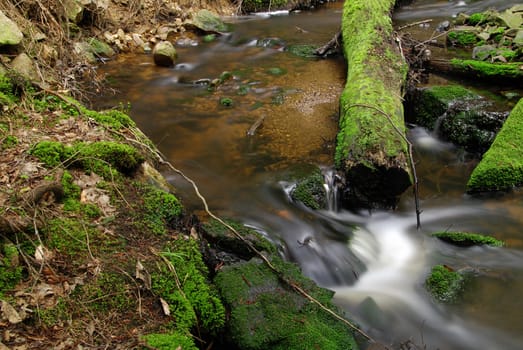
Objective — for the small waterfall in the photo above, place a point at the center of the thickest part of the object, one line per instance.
(332, 188)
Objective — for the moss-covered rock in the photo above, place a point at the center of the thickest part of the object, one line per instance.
(222, 238)
(99, 157)
(501, 167)
(445, 284)
(266, 314)
(426, 105)
(311, 191)
(467, 239)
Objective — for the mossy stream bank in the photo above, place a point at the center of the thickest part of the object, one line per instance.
(98, 250)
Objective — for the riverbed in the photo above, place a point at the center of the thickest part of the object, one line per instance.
(375, 261)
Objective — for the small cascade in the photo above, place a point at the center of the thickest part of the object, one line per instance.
(332, 188)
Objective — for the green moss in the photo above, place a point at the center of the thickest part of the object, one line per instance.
(462, 38)
(483, 69)
(430, 103)
(68, 236)
(477, 18)
(467, 239)
(501, 167)
(183, 285)
(310, 191)
(444, 284)
(160, 209)
(108, 292)
(112, 119)
(57, 315)
(51, 153)
(7, 92)
(169, 341)
(305, 51)
(266, 314)
(99, 157)
(51, 103)
(226, 101)
(100, 48)
(276, 71)
(9, 141)
(10, 271)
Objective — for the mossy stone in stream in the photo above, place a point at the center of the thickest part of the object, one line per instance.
(267, 314)
(445, 284)
(467, 239)
(310, 191)
(501, 167)
(428, 104)
(305, 51)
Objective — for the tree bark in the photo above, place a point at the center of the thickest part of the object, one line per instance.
(372, 150)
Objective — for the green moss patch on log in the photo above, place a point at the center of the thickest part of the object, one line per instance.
(501, 167)
(486, 70)
(370, 142)
(445, 284)
(267, 314)
(467, 239)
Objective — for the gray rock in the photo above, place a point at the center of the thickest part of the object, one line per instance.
(164, 54)
(10, 34)
(483, 52)
(85, 51)
(24, 65)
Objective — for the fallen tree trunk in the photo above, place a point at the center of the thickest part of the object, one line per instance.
(511, 72)
(372, 150)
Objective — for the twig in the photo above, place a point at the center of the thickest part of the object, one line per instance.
(414, 24)
(409, 156)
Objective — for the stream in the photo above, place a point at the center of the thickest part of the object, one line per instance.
(375, 262)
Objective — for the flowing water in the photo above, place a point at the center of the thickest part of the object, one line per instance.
(376, 262)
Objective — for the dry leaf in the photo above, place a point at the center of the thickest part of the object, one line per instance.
(165, 307)
(10, 313)
(143, 275)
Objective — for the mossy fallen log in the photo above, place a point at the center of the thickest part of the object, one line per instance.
(510, 72)
(501, 167)
(371, 148)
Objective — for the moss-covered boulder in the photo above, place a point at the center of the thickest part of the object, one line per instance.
(10, 34)
(268, 314)
(457, 115)
(467, 239)
(164, 54)
(501, 167)
(310, 190)
(208, 21)
(445, 284)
